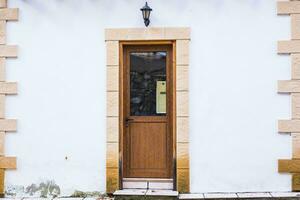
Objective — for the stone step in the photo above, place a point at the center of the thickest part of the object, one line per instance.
(145, 194)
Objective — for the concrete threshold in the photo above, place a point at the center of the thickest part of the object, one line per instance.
(129, 194)
(149, 192)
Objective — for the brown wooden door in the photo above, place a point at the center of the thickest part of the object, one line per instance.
(147, 103)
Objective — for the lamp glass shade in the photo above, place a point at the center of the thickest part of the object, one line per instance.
(146, 10)
(146, 14)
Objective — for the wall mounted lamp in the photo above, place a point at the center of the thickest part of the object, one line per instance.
(146, 10)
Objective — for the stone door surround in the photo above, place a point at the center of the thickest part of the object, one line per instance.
(181, 38)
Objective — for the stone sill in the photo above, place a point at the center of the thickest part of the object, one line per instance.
(242, 195)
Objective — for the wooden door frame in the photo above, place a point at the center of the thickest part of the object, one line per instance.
(122, 113)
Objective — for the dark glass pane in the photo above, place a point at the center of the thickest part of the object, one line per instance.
(148, 83)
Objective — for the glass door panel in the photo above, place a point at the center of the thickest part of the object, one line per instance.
(148, 83)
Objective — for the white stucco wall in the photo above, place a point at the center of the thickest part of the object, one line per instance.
(233, 80)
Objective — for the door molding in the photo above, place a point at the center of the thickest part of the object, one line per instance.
(115, 39)
(166, 122)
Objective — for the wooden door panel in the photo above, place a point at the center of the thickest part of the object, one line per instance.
(148, 143)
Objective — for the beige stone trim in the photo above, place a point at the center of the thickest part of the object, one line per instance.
(8, 125)
(178, 34)
(295, 66)
(183, 180)
(9, 14)
(182, 113)
(289, 126)
(288, 86)
(182, 104)
(8, 162)
(112, 104)
(147, 34)
(295, 30)
(112, 125)
(112, 154)
(182, 52)
(296, 182)
(296, 145)
(112, 179)
(3, 4)
(2, 98)
(8, 51)
(112, 120)
(112, 53)
(2, 106)
(183, 160)
(112, 129)
(2, 32)
(8, 88)
(182, 127)
(112, 78)
(2, 69)
(292, 86)
(182, 38)
(2, 143)
(289, 166)
(287, 47)
(182, 78)
(288, 7)
(295, 105)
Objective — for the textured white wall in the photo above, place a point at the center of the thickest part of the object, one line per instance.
(233, 74)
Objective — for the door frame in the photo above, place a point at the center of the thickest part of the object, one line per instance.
(180, 37)
(122, 104)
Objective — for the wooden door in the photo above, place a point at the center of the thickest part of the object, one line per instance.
(147, 111)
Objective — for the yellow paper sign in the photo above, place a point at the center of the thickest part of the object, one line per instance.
(161, 97)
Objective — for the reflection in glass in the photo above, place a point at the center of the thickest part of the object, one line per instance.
(147, 70)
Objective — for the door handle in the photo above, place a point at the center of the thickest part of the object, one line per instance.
(127, 121)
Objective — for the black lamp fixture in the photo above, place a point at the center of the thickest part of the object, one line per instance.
(146, 10)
